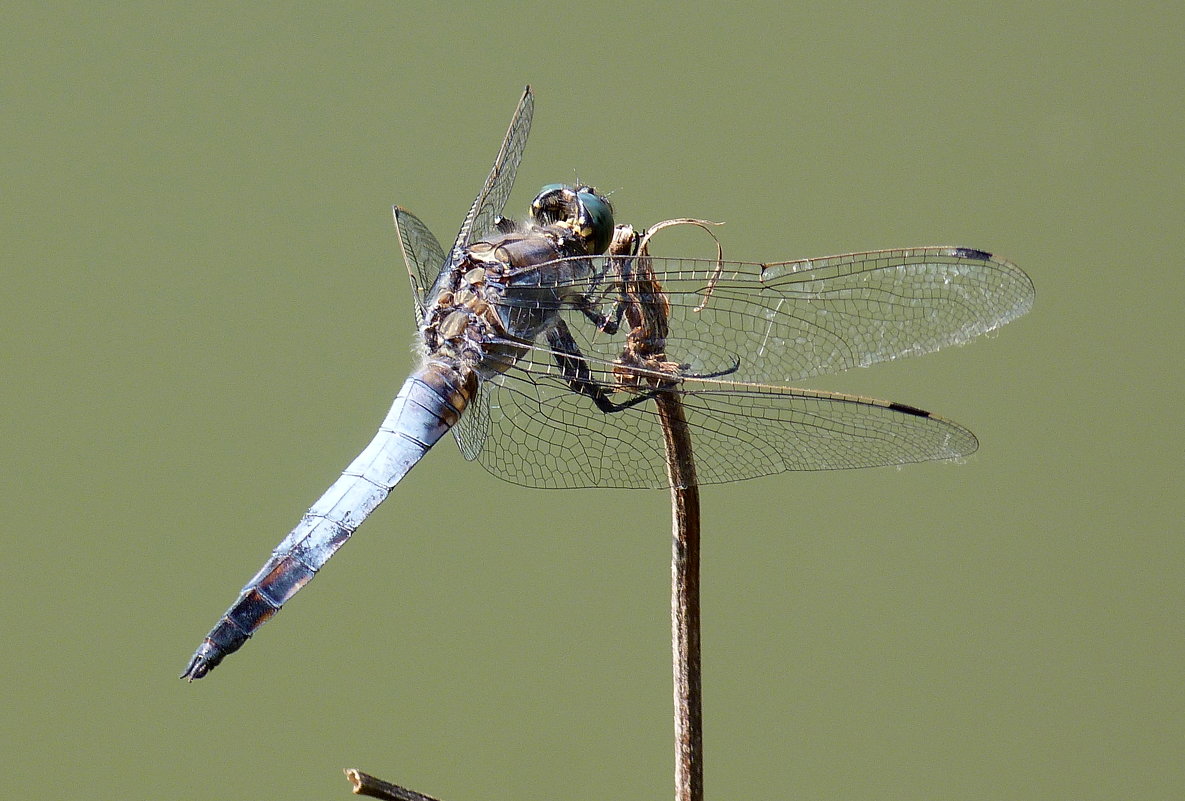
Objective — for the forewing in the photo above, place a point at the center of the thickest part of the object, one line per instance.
(422, 255)
(781, 322)
(488, 204)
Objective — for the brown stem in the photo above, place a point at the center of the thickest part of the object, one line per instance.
(685, 607)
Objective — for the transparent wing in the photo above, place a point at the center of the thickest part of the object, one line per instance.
(488, 204)
(422, 255)
(736, 332)
(780, 322)
(474, 427)
(544, 435)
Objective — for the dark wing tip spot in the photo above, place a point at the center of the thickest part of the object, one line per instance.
(972, 253)
(915, 411)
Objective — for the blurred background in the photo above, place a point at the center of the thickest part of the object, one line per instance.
(205, 316)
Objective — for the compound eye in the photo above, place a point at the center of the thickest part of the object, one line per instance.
(555, 202)
(596, 219)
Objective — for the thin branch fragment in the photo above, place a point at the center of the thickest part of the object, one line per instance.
(365, 784)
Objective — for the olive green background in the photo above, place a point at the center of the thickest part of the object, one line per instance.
(205, 316)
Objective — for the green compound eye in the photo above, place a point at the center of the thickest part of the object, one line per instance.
(596, 218)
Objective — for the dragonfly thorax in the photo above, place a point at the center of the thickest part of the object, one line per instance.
(501, 296)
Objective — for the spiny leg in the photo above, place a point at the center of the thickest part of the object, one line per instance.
(575, 370)
(604, 323)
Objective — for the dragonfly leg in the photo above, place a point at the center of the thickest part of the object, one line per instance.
(603, 322)
(736, 365)
(576, 372)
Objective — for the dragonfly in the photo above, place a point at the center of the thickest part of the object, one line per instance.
(530, 354)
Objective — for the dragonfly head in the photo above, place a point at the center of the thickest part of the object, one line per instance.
(580, 208)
